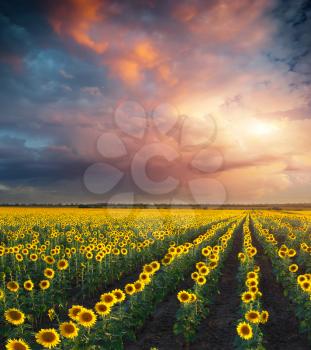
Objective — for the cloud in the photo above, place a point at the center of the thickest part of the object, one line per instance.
(75, 19)
(66, 66)
(4, 188)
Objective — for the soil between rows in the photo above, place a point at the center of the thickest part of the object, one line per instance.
(281, 331)
(217, 331)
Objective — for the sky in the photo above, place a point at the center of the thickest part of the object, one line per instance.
(155, 101)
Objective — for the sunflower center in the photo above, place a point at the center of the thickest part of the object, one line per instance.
(15, 315)
(19, 346)
(75, 312)
(86, 317)
(184, 297)
(245, 330)
(69, 328)
(48, 337)
(102, 307)
(108, 299)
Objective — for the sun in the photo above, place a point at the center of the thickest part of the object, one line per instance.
(262, 128)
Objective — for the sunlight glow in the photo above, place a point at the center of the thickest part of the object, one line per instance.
(262, 128)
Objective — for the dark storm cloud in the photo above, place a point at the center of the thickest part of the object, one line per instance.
(294, 39)
(19, 162)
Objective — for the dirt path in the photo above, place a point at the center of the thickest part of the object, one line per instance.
(281, 331)
(217, 331)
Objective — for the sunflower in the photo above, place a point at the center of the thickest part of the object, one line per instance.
(119, 295)
(74, 311)
(19, 257)
(28, 285)
(214, 257)
(89, 256)
(293, 268)
(251, 282)
(68, 330)
(254, 290)
(129, 289)
(48, 338)
(244, 330)
(139, 286)
(201, 280)
(200, 264)
(306, 286)
(144, 277)
(252, 274)
(148, 269)
(155, 265)
(13, 286)
(17, 344)
(123, 251)
(33, 257)
(252, 316)
(252, 251)
(62, 264)
(204, 270)
(87, 318)
(242, 256)
(108, 298)
(212, 264)
(256, 268)
(49, 260)
(184, 297)
(247, 297)
(301, 278)
(14, 316)
(2, 294)
(193, 298)
(195, 275)
(291, 252)
(49, 273)
(264, 316)
(206, 251)
(44, 284)
(166, 260)
(102, 308)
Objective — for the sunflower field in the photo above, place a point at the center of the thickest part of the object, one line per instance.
(91, 279)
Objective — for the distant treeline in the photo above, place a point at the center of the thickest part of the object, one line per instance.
(283, 206)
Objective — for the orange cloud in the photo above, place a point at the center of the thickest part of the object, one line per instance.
(127, 70)
(165, 73)
(130, 63)
(75, 18)
(146, 53)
